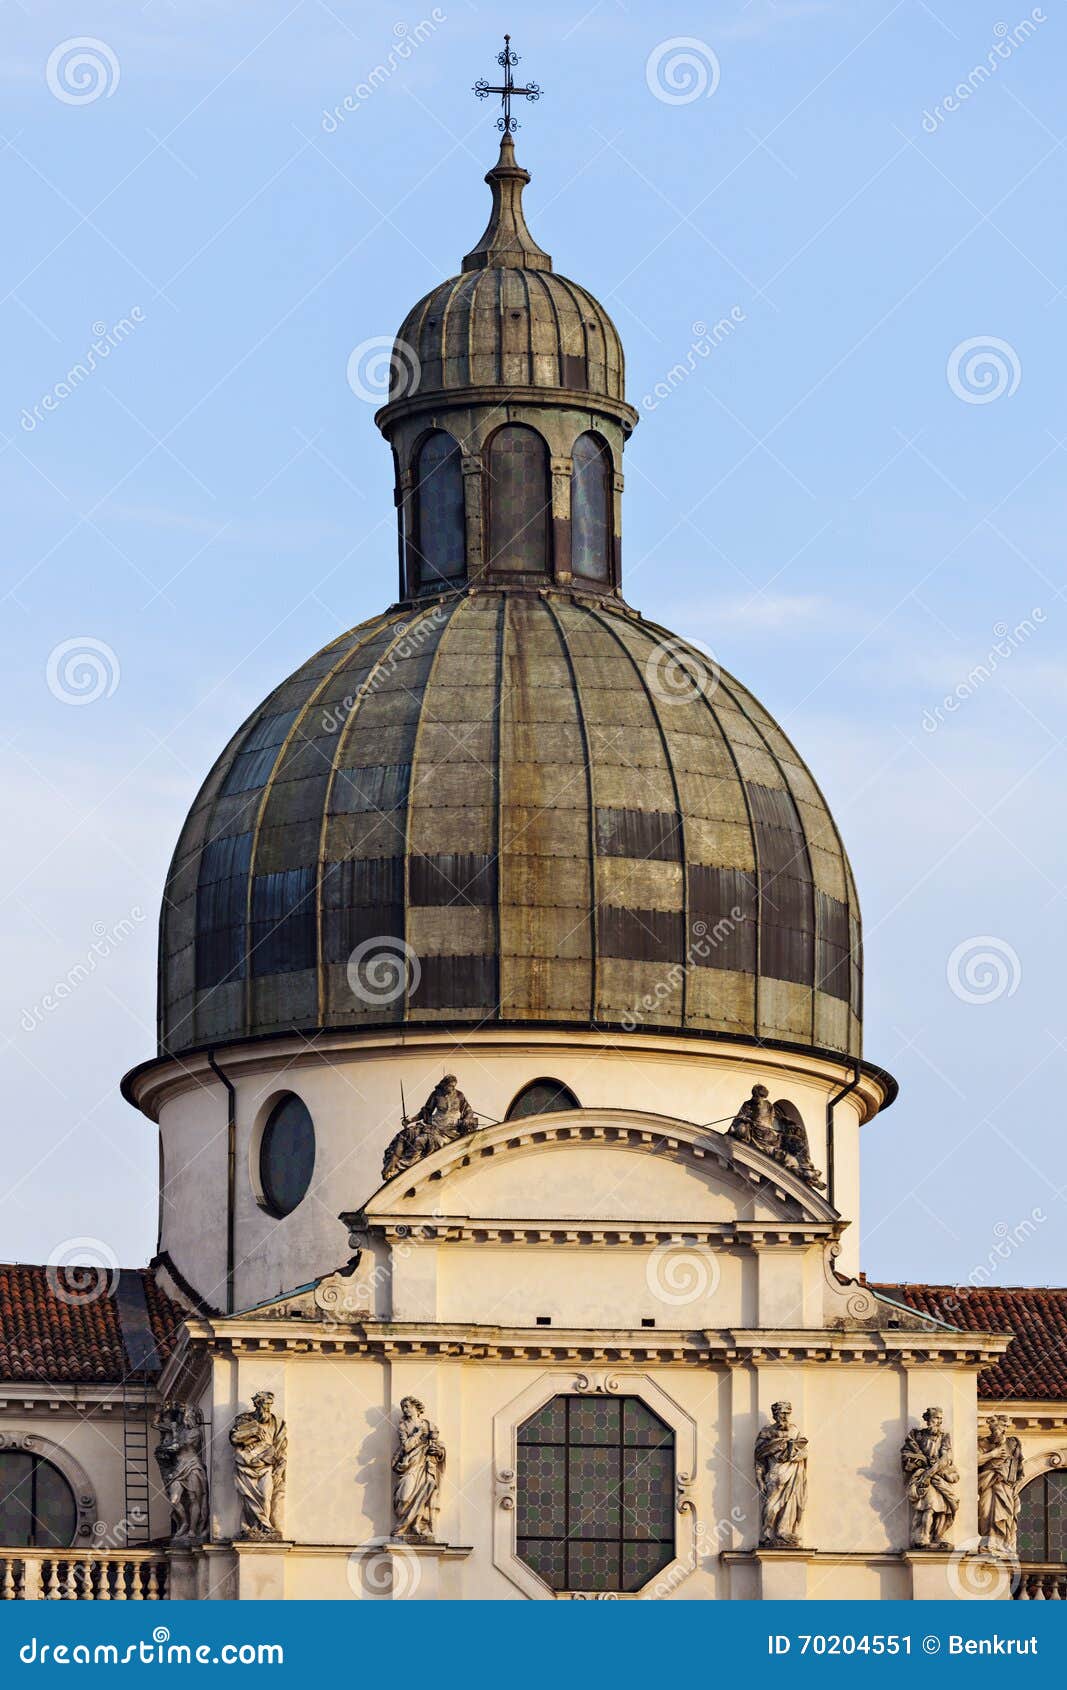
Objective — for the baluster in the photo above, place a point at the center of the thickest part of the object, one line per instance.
(31, 1580)
(120, 1582)
(136, 1592)
(151, 1593)
(6, 1577)
(103, 1582)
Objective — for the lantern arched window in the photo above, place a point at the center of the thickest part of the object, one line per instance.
(591, 507)
(437, 546)
(520, 501)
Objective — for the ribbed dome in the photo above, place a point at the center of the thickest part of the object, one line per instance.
(508, 320)
(514, 328)
(548, 810)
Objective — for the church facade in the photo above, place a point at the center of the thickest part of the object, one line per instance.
(509, 1093)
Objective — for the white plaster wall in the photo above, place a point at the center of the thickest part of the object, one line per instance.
(341, 1414)
(354, 1099)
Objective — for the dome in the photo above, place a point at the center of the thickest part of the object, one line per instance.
(511, 806)
(521, 328)
(508, 320)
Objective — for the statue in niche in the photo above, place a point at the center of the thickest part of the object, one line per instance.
(1000, 1471)
(445, 1115)
(781, 1480)
(778, 1130)
(180, 1457)
(417, 1468)
(260, 1446)
(926, 1460)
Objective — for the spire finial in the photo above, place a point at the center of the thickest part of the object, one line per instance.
(507, 89)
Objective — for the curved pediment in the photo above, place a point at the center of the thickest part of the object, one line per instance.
(583, 1167)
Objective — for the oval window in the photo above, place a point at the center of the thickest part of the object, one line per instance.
(286, 1156)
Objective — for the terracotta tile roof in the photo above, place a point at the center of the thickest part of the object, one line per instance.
(1034, 1368)
(62, 1325)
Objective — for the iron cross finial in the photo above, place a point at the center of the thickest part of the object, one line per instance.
(507, 88)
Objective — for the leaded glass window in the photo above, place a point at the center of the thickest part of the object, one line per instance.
(440, 525)
(595, 1493)
(37, 1507)
(591, 509)
(1043, 1519)
(519, 500)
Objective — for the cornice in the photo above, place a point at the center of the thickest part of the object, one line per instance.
(292, 1337)
(153, 1083)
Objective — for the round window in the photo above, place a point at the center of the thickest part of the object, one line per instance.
(286, 1156)
(37, 1507)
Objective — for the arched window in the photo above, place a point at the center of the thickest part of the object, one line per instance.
(595, 1493)
(519, 500)
(286, 1156)
(440, 527)
(1043, 1519)
(541, 1097)
(591, 505)
(37, 1506)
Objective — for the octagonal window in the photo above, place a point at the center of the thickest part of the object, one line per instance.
(595, 1494)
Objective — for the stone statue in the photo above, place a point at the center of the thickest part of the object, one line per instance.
(1000, 1471)
(778, 1130)
(417, 1466)
(781, 1480)
(180, 1456)
(260, 1443)
(445, 1115)
(926, 1460)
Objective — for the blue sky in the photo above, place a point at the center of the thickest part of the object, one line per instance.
(849, 499)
